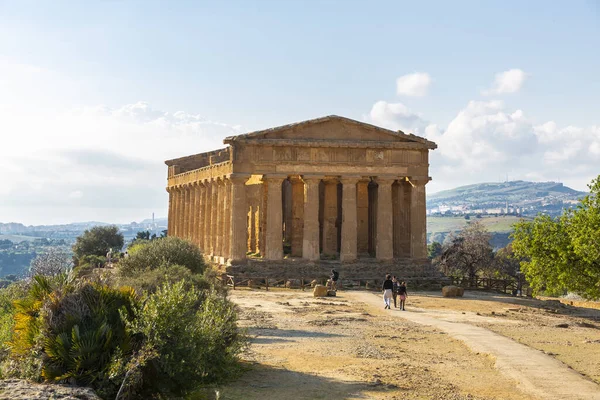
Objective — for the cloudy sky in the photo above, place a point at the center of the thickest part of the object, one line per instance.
(95, 95)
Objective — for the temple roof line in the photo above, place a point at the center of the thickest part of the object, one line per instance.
(398, 134)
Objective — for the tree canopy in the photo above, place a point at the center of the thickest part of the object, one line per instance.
(98, 241)
(563, 253)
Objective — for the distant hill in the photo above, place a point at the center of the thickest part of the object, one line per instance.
(520, 197)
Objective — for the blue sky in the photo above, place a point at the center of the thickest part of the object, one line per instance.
(124, 78)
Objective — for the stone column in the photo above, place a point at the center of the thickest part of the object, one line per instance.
(187, 211)
(226, 249)
(297, 223)
(274, 239)
(418, 218)
(207, 216)
(170, 212)
(200, 213)
(220, 217)
(175, 191)
(239, 220)
(310, 236)
(349, 219)
(384, 249)
(214, 207)
(362, 216)
(194, 212)
(330, 215)
(181, 212)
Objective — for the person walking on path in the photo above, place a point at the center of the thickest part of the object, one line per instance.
(403, 294)
(395, 289)
(388, 287)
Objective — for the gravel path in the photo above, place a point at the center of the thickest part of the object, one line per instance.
(537, 374)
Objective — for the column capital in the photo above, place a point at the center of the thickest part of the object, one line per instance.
(385, 180)
(312, 178)
(416, 181)
(274, 178)
(238, 178)
(350, 179)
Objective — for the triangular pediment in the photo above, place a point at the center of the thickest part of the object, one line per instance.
(332, 128)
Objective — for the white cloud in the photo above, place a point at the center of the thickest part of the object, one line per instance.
(485, 141)
(509, 81)
(416, 84)
(97, 163)
(395, 116)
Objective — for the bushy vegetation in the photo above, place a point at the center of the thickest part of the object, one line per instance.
(164, 252)
(160, 326)
(563, 254)
(98, 241)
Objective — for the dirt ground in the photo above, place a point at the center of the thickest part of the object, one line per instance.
(340, 348)
(569, 333)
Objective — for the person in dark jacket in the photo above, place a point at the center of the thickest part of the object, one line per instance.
(388, 288)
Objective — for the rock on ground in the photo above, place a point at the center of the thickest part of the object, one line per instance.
(18, 389)
(453, 291)
(320, 291)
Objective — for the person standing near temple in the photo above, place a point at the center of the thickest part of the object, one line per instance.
(395, 289)
(403, 294)
(388, 288)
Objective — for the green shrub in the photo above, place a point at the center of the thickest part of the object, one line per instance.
(159, 253)
(74, 332)
(151, 280)
(195, 341)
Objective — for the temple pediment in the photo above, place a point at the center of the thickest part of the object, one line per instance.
(331, 128)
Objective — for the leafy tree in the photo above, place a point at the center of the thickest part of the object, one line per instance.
(468, 253)
(563, 253)
(506, 263)
(98, 241)
(434, 250)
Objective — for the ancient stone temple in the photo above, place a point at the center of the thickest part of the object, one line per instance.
(300, 198)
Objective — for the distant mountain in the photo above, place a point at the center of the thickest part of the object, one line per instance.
(519, 197)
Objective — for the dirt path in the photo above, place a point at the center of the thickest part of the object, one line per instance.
(535, 372)
(342, 348)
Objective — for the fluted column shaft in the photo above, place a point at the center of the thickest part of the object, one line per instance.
(385, 230)
(201, 214)
(170, 212)
(349, 220)
(226, 219)
(181, 212)
(330, 217)
(220, 218)
(214, 208)
(418, 219)
(274, 244)
(207, 216)
(310, 236)
(239, 221)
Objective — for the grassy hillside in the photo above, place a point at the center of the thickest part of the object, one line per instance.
(450, 224)
(515, 193)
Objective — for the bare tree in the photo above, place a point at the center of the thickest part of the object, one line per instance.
(468, 253)
(52, 263)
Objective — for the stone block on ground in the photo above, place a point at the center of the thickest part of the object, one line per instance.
(452, 291)
(320, 291)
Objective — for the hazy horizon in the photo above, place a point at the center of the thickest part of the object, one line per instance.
(95, 96)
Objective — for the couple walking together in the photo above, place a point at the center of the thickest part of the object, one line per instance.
(392, 288)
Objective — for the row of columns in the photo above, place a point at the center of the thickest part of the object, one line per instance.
(213, 214)
(205, 213)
